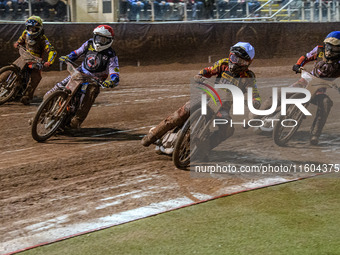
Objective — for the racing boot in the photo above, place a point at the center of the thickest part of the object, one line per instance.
(176, 119)
(314, 140)
(25, 100)
(149, 139)
(75, 123)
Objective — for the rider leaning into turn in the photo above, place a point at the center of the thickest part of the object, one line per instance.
(327, 65)
(100, 62)
(235, 70)
(35, 41)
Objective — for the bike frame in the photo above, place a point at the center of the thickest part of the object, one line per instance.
(77, 79)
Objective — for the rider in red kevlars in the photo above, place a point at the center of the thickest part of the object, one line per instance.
(235, 70)
(35, 41)
(327, 65)
(100, 61)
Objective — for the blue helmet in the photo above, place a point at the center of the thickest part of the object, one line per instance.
(333, 38)
(332, 46)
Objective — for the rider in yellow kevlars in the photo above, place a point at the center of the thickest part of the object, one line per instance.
(35, 41)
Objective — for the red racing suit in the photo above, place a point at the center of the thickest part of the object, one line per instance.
(321, 69)
(243, 80)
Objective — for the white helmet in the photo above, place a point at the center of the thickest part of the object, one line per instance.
(102, 37)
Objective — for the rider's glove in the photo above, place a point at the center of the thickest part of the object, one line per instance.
(47, 64)
(16, 45)
(199, 78)
(296, 68)
(63, 58)
(109, 84)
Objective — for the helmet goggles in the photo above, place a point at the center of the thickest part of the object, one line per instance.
(32, 29)
(332, 48)
(233, 58)
(102, 40)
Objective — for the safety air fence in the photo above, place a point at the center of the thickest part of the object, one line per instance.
(182, 42)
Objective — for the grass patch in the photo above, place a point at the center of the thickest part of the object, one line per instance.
(295, 218)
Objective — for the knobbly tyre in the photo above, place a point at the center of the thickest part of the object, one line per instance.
(176, 143)
(267, 121)
(283, 133)
(15, 77)
(194, 133)
(194, 138)
(57, 110)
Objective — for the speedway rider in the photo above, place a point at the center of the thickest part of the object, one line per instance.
(35, 41)
(235, 70)
(327, 65)
(100, 62)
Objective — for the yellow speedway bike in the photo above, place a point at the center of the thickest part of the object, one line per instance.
(15, 77)
(57, 110)
(294, 117)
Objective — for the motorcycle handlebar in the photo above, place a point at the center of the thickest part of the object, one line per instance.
(94, 79)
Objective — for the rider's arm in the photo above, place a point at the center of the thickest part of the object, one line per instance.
(52, 53)
(21, 40)
(114, 73)
(74, 55)
(310, 56)
(216, 69)
(114, 70)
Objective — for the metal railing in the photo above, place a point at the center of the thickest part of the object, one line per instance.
(291, 10)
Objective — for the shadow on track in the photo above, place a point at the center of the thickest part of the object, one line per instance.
(94, 135)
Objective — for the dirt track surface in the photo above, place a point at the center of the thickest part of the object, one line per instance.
(84, 175)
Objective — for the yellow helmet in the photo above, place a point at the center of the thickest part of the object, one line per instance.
(34, 26)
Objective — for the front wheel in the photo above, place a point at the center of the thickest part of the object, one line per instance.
(193, 129)
(9, 75)
(288, 125)
(49, 116)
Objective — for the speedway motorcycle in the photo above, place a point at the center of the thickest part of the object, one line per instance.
(14, 78)
(283, 133)
(185, 143)
(57, 110)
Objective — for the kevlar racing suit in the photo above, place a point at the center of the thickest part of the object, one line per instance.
(321, 69)
(97, 64)
(37, 47)
(243, 80)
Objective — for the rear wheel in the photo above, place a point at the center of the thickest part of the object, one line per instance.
(9, 75)
(288, 124)
(191, 131)
(48, 117)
